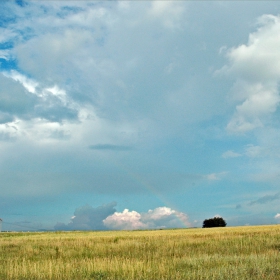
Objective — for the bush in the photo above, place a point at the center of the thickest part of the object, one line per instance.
(214, 222)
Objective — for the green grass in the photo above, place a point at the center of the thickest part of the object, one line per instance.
(217, 253)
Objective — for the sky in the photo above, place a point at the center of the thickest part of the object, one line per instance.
(125, 115)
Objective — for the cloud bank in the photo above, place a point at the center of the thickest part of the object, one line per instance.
(161, 217)
(106, 217)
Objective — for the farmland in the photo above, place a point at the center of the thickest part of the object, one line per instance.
(214, 253)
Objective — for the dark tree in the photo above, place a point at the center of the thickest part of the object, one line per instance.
(214, 222)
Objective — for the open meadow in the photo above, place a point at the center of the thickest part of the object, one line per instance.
(216, 253)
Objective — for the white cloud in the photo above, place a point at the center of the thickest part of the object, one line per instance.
(253, 151)
(106, 217)
(169, 12)
(259, 59)
(159, 212)
(256, 67)
(212, 177)
(57, 91)
(261, 101)
(44, 123)
(161, 217)
(29, 84)
(126, 220)
(250, 150)
(277, 216)
(4, 54)
(6, 34)
(215, 176)
(36, 111)
(230, 154)
(56, 51)
(9, 131)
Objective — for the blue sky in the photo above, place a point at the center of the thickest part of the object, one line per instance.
(139, 114)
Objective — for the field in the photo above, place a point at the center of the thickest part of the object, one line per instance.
(217, 253)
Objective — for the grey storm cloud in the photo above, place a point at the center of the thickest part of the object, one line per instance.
(88, 218)
(265, 199)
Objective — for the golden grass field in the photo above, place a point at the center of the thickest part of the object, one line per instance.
(217, 253)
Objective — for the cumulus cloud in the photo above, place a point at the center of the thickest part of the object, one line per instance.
(126, 220)
(258, 60)
(165, 217)
(261, 101)
(277, 216)
(106, 217)
(88, 218)
(256, 67)
(161, 217)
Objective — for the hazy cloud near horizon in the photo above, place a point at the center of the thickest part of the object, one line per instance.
(265, 199)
